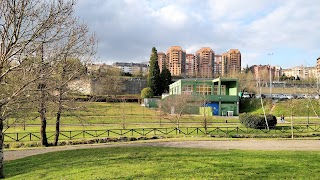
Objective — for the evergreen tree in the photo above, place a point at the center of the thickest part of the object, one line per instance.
(247, 69)
(154, 79)
(166, 79)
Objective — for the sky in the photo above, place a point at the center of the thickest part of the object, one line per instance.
(277, 32)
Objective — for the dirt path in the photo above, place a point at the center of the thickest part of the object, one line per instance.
(247, 144)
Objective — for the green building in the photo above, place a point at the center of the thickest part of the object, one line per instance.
(221, 94)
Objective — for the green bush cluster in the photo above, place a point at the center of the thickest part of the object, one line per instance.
(147, 93)
(257, 121)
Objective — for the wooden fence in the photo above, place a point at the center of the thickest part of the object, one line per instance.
(185, 131)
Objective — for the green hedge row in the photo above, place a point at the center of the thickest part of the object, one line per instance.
(257, 121)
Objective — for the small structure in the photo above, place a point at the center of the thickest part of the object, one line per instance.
(221, 94)
(151, 102)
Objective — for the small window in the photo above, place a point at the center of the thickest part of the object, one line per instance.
(187, 89)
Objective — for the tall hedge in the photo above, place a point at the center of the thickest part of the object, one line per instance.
(257, 121)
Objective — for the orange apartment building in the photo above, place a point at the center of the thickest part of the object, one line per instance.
(205, 60)
(203, 64)
(191, 66)
(176, 58)
(217, 66)
(161, 60)
(262, 72)
(231, 62)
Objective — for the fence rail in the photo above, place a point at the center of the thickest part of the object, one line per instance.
(187, 131)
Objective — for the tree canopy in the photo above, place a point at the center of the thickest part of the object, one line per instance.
(166, 79)
(154, 79)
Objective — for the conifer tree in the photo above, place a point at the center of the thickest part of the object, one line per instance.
(166, 79)
(154, 79)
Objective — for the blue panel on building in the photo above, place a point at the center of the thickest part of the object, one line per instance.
(215, 107)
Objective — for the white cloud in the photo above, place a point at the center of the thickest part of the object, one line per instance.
(192, 49)
(170, 16)
(231, 10)
(290, 25)
(254, 27)
(249, 58)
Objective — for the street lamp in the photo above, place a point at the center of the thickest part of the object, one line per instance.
(270, 93)
(308, 113)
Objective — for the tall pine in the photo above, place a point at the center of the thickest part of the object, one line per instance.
(154, 79)
(166, 79)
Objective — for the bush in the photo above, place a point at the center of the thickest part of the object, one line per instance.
(146, 93)
(257, 121)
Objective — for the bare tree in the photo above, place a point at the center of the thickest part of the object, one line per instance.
(76, 50)
(246, 81)
(176, 105)
(106, 80)
(201, 101)
(23, 26)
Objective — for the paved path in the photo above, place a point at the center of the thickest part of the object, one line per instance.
(246, 144)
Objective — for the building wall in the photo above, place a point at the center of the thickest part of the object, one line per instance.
(134, 85)
(132, 68)
(191, 65)
(262, 72)
(301, 71)
(205, 60)
(231, 62)
(220, 92)
(161, 60)
(176, 58)
(217, 67)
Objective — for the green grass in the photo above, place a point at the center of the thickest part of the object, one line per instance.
(107, 113)
(166, 163)
(297, 107)
(103, 116)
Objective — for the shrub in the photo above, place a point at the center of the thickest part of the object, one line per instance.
(257, 121)
(146, 93)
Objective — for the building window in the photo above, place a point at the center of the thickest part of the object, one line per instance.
(223, 89)
(203, 89)
(216, 90)
(187, 89)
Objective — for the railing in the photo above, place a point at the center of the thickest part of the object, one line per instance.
(186, 131)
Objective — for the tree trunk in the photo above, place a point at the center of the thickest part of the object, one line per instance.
(56, 136)
(41, 87)
(43, 134)
(1, 148)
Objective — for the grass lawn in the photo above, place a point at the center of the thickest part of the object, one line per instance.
(103, 116)
(166, 163)
(106, 113)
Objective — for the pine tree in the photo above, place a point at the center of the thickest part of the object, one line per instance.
(154, 79)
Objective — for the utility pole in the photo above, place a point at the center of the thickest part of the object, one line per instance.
(270, 93)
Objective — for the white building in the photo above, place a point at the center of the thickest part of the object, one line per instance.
(132, 68)
(301, 71)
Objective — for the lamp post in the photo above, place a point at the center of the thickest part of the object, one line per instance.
(308, 113)
(270, 93)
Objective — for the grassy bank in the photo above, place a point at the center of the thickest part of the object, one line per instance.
(166, 163)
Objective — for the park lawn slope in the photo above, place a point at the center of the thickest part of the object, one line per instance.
(166, 163)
